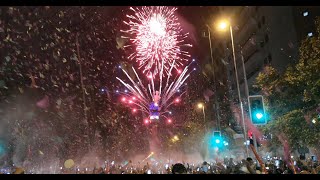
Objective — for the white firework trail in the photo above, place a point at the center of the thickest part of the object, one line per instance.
(166, 89)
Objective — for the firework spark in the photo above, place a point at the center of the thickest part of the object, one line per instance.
(163, 93)
(157, 38)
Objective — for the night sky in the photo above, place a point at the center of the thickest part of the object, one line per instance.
(41, 101)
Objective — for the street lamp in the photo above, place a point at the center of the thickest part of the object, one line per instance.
(201, 106)
(222, 26)
(214, 81)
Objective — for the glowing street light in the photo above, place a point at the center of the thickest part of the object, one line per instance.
(201, 106)
(223, 25)
(176, 137)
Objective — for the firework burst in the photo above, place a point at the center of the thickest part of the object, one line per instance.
(157, 37)
(163, 94)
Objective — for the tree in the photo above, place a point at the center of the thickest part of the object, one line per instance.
(292, 97)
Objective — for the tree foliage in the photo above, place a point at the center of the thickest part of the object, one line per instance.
(292, 97)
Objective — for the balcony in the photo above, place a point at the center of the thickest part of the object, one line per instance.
(254, 61)
(248, 29)
(249, 48)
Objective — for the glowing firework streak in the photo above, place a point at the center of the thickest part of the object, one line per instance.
(151, 154)
(165, 90)
(157, 38)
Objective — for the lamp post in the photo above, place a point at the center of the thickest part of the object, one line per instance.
(214, 81)
(222, 26)
(201, 106)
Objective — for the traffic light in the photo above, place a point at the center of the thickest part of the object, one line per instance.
(256, 110)
(216, 133)
(217, 139)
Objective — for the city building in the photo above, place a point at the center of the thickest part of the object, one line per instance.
(265, 35)
(304, 20)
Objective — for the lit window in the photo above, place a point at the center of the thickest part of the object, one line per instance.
(305, 13)
(310, 34)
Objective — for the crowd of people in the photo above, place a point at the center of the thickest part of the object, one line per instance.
(228, 166)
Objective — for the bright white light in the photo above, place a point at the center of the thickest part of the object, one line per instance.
(217, 141)
(154, 117)
(170, 112)
(125, 91)
(314, 121)
(193, 60)
(146, 121)
(157, 25)
(194, 69)
(119, 66)
(247, 142)
(117, 91)
(223, 25)
(176, 137)
(259, 115)
(305, 13)
(310, 34)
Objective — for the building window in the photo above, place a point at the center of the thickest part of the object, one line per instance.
(259, 25)
(268, 59)
(265, 61)
(266, 38)
(306, 13)
(257, 8)
(263, 20)
(310, 34)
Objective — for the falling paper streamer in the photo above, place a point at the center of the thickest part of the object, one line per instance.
(207, 94)
(33, 82)
(43, 103)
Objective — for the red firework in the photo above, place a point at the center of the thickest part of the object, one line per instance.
(157, 38)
